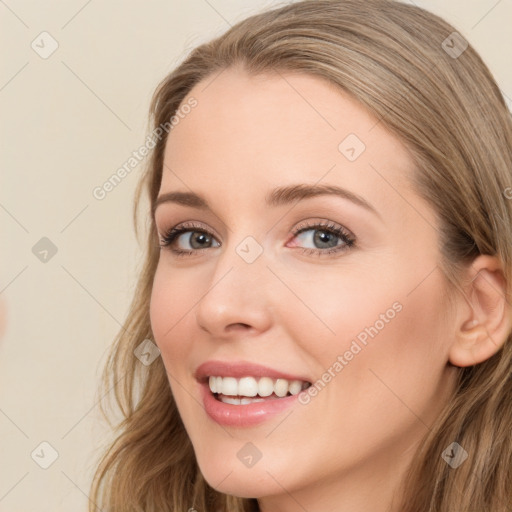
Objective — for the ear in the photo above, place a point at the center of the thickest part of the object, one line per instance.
(484, 322)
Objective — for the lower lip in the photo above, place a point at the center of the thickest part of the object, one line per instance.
(243, 415)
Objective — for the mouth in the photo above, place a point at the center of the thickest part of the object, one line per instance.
(244, 394)
(249, 389)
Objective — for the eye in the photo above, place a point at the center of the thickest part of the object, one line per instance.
(198, 238)
(329, 237)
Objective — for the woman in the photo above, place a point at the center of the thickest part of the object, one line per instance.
(328, 275)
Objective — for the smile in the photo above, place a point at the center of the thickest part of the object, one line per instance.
(248, 390)
(243, 393)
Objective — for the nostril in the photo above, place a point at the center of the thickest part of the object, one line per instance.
(237, 326)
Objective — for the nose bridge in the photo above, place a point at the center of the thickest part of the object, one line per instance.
(239, 289)
(244, 253)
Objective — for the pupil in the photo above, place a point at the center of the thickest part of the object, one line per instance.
(201, 236)
(324, 237)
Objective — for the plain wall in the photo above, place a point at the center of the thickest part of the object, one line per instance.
(68, 122)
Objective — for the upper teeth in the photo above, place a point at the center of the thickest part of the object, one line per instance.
(250, 386)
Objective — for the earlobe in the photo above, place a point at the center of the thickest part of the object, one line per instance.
(485, 325)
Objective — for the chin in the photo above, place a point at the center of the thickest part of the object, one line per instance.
(237, 480)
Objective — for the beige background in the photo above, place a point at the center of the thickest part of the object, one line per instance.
(68, 123)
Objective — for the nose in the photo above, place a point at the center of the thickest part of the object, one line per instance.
(238, 297)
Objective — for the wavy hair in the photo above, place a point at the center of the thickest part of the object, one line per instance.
(450, 114)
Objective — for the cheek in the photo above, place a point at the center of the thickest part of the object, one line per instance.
(393, 311)
(390, 383)
(394, 352)
(335, 309)
(171, 310)
(383, 335)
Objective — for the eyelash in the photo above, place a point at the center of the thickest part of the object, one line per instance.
(349, 241)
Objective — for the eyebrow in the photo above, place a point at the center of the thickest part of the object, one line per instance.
(277, 197)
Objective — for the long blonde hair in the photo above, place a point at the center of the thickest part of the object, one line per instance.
(447, 109)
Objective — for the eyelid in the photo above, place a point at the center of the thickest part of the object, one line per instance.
(189, 225)
(309, 224)
(304, 224)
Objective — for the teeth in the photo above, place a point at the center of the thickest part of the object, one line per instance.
(251, 387)
(281, 387)
(239, 401)
(247, 386)
(265, 386)
(244, 401)
(229, 386)
(295, 387)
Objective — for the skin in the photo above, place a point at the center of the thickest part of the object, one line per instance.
(346, 449)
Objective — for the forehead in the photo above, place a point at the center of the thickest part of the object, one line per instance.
(251, 133)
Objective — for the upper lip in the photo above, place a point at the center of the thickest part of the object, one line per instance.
(239, 369)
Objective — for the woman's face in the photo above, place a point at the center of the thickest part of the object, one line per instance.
(354, 304)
